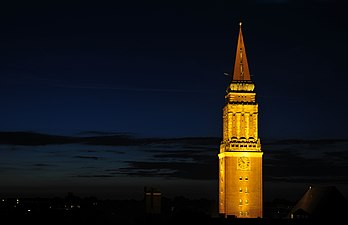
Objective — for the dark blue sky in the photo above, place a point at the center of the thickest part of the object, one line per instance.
(156, 69)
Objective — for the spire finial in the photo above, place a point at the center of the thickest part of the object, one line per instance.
(241, 68)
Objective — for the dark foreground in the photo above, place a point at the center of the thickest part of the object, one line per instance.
(91, 211)
(50, 219)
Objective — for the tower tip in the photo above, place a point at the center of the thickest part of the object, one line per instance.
(240, 24)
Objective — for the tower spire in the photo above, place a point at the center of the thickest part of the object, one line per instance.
(241, 68)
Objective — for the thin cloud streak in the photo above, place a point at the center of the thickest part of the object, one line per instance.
(130, 89)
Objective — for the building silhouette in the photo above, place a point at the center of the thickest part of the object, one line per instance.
(320, 202)
(240, 157)
(153, 199)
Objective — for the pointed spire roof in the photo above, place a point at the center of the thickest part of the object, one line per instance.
(241, 68)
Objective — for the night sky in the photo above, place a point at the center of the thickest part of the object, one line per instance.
(102, 99)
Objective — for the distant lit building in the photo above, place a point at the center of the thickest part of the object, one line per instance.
(152, 199)
(240, 158)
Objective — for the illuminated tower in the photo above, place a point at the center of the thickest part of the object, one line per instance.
(240, 158)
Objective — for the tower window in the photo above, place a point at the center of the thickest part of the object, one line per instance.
(246, 178)
(240, 178)
(246, 190)
(240, 190)
(240, 202)
(246, 201)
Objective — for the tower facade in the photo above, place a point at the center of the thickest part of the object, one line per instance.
(240, 157)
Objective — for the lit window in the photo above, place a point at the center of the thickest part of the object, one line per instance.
(246, 178)
(240, 202)
(240, 178)
(246, 190)
(240, 190)
(246, 201)
(241, 213)
(246, 213)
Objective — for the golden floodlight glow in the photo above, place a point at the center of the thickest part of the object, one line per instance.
(240, 157)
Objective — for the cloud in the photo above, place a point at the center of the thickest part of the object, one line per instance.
(95, 176)
(130, 89)
(306, 161)
(194, 170)
(302, 161)
(37, 139)
(43, 165)
(33, 139)
(100, 133)
(87, 157)
(120, 139)
(194, 158)
(115, 151)
(183, 158)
